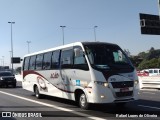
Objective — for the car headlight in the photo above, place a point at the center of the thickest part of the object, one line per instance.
(1, 78)
(105, 84)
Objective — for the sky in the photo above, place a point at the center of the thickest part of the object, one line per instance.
(39, 21)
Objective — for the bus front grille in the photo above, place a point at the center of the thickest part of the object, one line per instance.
(122, 84)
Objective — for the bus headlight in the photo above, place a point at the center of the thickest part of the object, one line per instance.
(136, 82)
(105, 84)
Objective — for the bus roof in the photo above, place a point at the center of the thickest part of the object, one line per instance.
(68, 45)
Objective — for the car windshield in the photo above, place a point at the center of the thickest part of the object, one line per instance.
(107, 56)
(6, 74)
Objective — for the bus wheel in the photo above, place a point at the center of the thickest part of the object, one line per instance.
(37, 94)
(83, 102)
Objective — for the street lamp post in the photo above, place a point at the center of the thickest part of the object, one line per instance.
(10, 53)
(28, 42)
(3, 61)
(95, 32)
(11, 44)
(63, 32)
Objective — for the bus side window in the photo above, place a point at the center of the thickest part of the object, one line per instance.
(150, 71)
(32, 63)
(67, 58)
(26, 63)
(155, 71)
(47, 61)
(39, 59)
(55, 59)
(79, 59)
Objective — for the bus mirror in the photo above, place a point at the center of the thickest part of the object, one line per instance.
(77, 52)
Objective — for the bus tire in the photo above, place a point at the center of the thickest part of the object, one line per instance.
(37, 94)
(83, 103)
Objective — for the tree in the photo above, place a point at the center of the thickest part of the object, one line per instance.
(145, 60)
(152, 49)
(153, 63)
(136, 60)
(142, 55)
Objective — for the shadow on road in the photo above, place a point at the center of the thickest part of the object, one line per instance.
(110, 110)
(140, 106)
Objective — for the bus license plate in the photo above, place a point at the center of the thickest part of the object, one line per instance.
(124, 89)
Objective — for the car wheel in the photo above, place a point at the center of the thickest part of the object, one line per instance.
(83, 103)
(37, 94)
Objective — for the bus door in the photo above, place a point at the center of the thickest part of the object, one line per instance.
(80, 74)
(66, 62)
(74, 69)
(51, 61)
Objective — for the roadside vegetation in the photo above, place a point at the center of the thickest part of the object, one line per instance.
(145, 60)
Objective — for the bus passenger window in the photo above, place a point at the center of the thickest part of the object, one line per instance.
(150, 71)
(47, 61)
(39, 62)
(26, 63)
(155, 71)
(32, 63)
(55, 59)
(79, 59)
(67, 58)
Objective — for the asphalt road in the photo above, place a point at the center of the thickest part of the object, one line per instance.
(22, 104)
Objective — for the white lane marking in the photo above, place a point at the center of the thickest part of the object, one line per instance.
(148, 92)
(54, 106)
(149, 107)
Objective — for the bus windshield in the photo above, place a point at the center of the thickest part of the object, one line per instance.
(107, 56)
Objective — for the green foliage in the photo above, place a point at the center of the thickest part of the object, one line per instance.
(153, 63)
(145, 60)
(142, 55)
(136, 60)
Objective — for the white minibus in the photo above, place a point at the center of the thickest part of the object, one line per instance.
(152, 71)
(85, 72)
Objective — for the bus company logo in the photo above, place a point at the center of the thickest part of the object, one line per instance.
(54, 75)
(6, 114)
